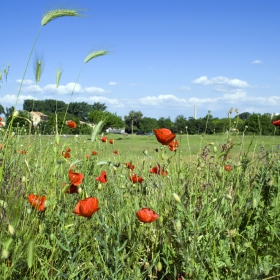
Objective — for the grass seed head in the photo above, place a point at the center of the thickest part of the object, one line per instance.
(94, 55)
(57, 13)
(58, 76)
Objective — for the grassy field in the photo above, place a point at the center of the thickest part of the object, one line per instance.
(212, 223)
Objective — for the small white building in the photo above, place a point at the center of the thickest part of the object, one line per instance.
(38, 117)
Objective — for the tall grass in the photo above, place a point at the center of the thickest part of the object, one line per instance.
(217, 201)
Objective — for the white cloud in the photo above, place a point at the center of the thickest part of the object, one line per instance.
(257, 61)
(184, 88)
(94, 90)
(10, 99)
(220, 80)
(167, 99)
(25, 82)
(112, 83)
(112, 102)
(32, 88)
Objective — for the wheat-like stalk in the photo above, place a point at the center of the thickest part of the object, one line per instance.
(53, 14)
(38, 68)
(58, 76)
(94, 55)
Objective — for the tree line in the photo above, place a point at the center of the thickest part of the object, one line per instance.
(84, 114)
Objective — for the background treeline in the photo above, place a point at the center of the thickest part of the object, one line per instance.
(85, 115)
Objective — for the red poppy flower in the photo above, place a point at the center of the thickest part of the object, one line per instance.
(102, 178)
(164, 136)
(129, 166)
(71, 124)
(37, 201)
(86, 207)
(1, 124)
(276, 123)
(68, 150)
(159, 171)
(111, 141)
(75, 178)
(146, 215)
(228, 167)
(173, 145)
(0, 119)
(66, 155)
(136, 179)
(94, 153)
(72, 189)
(116, 152)
(87, 156)
(104, 139)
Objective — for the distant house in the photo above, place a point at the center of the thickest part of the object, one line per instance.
(38, 117)
(115, 130)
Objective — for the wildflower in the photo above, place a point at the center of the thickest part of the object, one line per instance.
(104, 139)
(71, 124)
(86, 207)
(1, 124)
(87, 156)
(164, 136)
(66, 154)
(115, 152)
(75, 178)
(276, 123)
(111, 141)
(228, 167)
(173, 145)
(37, 201)
(94, 153)
(136, 179)
(129, 166)
(158, 170)
(72, 189)
(102, 178)
(68, 150)
(146, 215)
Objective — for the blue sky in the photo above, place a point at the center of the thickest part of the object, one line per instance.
(164, 56)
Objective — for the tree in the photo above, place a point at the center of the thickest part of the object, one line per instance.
(180, 124)
(9, 111)
(148, 124)
(165, 123)
(98, 106)
(2, 110)
(244, 116)
(132, 121)
(109, 119)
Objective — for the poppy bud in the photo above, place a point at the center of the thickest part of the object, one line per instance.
(228, 197)
(5, 254)
(11, 229)
(15, 113)
(23, 179)
(159, 266)
(176, 197)
(178, 225)
(99, 187)
(80, 190)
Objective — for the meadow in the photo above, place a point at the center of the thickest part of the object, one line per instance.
(128, 207)
(213, 222)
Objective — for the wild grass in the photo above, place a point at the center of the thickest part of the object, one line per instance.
(218, 205)
(225, 227)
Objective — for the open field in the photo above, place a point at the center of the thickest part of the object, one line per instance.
(214, 223)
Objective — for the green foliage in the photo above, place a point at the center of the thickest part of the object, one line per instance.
(148, 124)
(109, 119)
